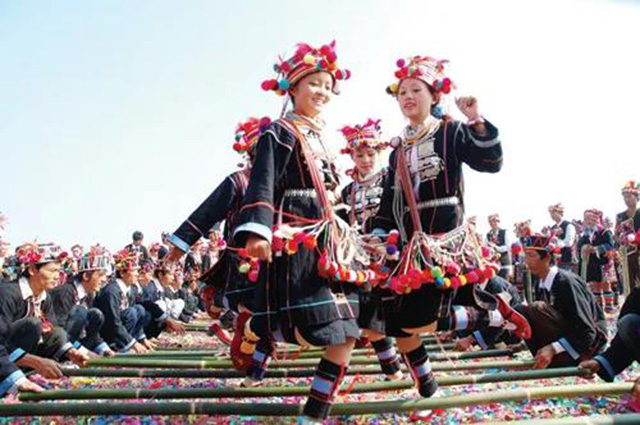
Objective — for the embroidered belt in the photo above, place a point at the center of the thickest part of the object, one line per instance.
(441, 202)
(300, 193)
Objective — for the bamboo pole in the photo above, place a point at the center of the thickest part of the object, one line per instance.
(277, 373)
(222, 364)
(190, 393)
(304, 354)
(620, 419)
(269, 409)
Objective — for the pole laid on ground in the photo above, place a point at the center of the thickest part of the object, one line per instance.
(278, 373)
(268, 409)
(189, 393)
(222, 364)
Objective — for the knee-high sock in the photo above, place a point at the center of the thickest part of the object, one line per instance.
(387, 356)
(326, 382)
(469, 318)
(418, 362)
(261, 359)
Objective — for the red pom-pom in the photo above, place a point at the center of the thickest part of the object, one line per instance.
(486, 252)
(487, 272)
(455, 281)
(472, 277)
(292, 246)
(347, 74)
(265, 121)
(426, 276)
(323, 64)
(253, 276)
(323, 263)
(300, 237)
(238, 147)
(310, 242)
(242, 252)
(333, 268)
(393, 238)
(277, 243)
(339, 74)
(285, 67)
(331, 56)
(325, 50)
(399, 74)
(400, 63)
(266, 85)
(452, 269)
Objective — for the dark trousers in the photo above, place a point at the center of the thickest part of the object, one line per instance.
(546, 327)
(84, 326)
(133, 319)
(27, 334)
(624, 348)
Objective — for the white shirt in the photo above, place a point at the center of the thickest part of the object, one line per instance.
(123, 287)
(547, 282)
(82, 294)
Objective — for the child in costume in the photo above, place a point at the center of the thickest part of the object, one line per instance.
(362, 197)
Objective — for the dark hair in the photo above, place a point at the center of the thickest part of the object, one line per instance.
(543, 253)
(25, 272)
(137, 235)
(89, 273)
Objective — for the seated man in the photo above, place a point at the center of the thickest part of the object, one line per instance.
(73, 302)
(625, 346)
(485, 336)
(29, 335)
(124, 320)
(567, 325)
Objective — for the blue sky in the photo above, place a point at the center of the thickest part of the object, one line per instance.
(119, 115)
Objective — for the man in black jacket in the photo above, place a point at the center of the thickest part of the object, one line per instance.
(566, 322)
(625, 346)
(124, 320)
(73, 302)
(29, 335)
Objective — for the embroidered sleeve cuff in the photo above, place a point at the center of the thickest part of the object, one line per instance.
(567, 346)
(480, 339)
(63, 350)
(606, 370)
(485, 141)
(17, 354)
(162, 318)
(101, 348)
(128, 346)
(257, 228)
(11, 382)
(179, 243)
(558, 348)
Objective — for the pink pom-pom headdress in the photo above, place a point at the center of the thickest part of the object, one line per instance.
(98, 258)
(33, 253)
(424, 68)
(631, 187)
(306, 60)
(359, 136)
(248, 133)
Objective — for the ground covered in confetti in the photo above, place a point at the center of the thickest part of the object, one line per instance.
(552, 408)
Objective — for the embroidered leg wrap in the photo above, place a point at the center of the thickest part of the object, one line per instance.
(260, 361)
(387, 355)
(326, 382)
(418, 362)
(463, 318)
